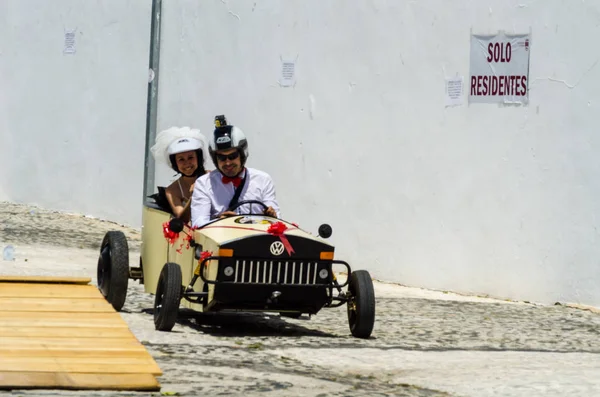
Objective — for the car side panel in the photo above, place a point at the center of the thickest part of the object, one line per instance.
(182, 253)
(154, 246)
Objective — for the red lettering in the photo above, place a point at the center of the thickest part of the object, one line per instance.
(498, 85)
(494, 85)
(497, 52)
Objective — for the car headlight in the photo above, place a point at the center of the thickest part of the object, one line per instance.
(228, 271)
(323, 273)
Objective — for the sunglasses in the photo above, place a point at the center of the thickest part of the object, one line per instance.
(232, 156)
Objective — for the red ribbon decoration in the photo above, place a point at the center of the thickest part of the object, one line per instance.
(171, 236)
(204, 255)
(278, 229)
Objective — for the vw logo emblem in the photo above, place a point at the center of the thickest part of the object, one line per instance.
(277, 248)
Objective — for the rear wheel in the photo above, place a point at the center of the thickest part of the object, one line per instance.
(168, 297)
(361, 305)
(113, 268)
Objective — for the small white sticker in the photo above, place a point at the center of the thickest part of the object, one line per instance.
(454, 91)
(70, 41)
(288, 73)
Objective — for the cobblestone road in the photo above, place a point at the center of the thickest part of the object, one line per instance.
(447, 346)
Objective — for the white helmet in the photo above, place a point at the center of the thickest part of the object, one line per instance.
(184, 145)
(178, 140)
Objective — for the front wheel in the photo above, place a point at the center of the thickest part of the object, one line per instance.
(361, 304)
(168, 297)
(113, 268)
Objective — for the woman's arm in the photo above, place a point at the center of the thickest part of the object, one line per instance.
(176, 201)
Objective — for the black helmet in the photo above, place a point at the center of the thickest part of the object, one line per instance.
(227, 137)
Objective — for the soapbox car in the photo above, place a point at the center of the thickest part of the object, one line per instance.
(241, 263)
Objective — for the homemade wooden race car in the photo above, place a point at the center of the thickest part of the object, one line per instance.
(241, 263)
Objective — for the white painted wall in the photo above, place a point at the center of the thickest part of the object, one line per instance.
(480, 198)
(72, 127)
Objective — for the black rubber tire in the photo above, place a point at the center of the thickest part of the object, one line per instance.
(113, 268)
(168, 297)
(361, 306)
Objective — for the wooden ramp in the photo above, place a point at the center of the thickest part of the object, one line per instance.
(60, 333)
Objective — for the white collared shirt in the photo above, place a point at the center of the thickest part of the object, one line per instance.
(211, 196)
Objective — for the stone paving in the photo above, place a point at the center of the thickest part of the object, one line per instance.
(447, 346)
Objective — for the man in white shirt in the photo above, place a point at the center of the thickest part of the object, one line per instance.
(214, 192)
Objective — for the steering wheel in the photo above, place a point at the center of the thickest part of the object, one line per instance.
(243, 202)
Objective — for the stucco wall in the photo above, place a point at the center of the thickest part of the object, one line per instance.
(73, 125)
(480, 198)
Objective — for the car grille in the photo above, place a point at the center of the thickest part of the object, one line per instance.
(280, 272)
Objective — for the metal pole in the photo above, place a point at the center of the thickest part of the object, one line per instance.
(152, 101)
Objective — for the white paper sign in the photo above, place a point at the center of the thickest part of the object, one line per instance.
(288, 73)
(69, 42)
(499, 69)
(454, 91)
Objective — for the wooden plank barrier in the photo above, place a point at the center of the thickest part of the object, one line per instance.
(60, 333)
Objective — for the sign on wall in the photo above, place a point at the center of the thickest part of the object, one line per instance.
(70, 41)
(499, 68)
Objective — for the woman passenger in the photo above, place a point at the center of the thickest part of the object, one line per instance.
(184, 150)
